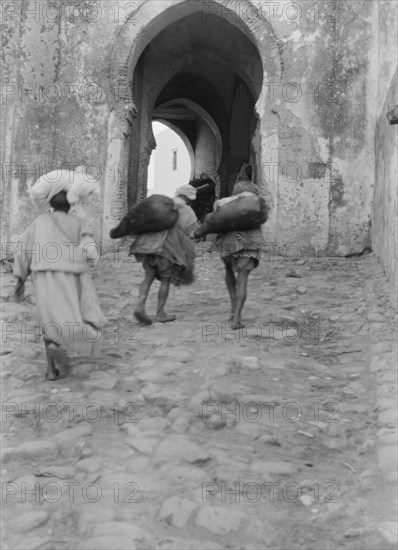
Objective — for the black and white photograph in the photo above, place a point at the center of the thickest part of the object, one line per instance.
(199, 274)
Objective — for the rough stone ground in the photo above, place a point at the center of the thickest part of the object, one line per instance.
(173, 433)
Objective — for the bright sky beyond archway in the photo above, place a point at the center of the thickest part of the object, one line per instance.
(170, 165)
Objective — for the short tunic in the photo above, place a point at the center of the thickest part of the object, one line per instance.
(169, 254)
(241, 250)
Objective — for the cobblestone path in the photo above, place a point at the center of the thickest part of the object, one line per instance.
(188, 435)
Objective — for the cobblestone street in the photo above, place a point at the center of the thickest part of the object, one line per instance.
(189, 435)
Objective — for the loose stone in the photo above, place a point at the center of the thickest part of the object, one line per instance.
(176, 511)
(29, 521)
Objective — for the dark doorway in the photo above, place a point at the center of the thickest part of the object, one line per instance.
(202, 76)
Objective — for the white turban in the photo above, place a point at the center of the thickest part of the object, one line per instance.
(187, 191)
(76, 183)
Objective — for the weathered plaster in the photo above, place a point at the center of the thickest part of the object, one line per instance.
(328, 133)
(385, 210)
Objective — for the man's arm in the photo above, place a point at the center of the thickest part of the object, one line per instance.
(190, 230)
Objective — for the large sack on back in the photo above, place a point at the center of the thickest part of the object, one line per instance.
(240, 213)
(155, 213)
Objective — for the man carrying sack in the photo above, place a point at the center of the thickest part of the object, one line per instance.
(167, 256)
(240, 252)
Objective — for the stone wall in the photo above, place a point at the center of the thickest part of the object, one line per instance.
(385, 211)
(319, 124)
(384, 215)
(326, 160)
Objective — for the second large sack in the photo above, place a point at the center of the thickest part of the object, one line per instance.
(154, 213)
(243, 212)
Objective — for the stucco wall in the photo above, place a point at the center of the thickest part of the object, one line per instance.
(384, 222)
(206, 149)
(55, 91)
(326, 151)
(324, 109)
(385, 211)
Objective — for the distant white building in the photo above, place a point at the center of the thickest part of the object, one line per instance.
(170, 165)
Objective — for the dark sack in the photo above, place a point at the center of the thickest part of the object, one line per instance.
(240, 214)
(155, 213)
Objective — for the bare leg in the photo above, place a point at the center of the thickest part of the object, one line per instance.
(55, 356)
(231, 286)
(241, 293)
(163, 294)
(52, 371)
(139, 311)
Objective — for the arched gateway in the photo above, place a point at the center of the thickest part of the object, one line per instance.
(205, 70)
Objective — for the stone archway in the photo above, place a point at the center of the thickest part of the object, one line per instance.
(130, 138)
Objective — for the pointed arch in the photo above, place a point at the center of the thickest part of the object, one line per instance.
(141, 26)
(145, 22)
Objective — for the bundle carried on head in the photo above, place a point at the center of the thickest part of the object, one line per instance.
(76, 183)
(241, 212)
(152, 214)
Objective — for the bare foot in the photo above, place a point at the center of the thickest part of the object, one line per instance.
(231, 317)
(164, 318)
(52, 374)
(142, 317)
(57, 357)
(237, 325)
